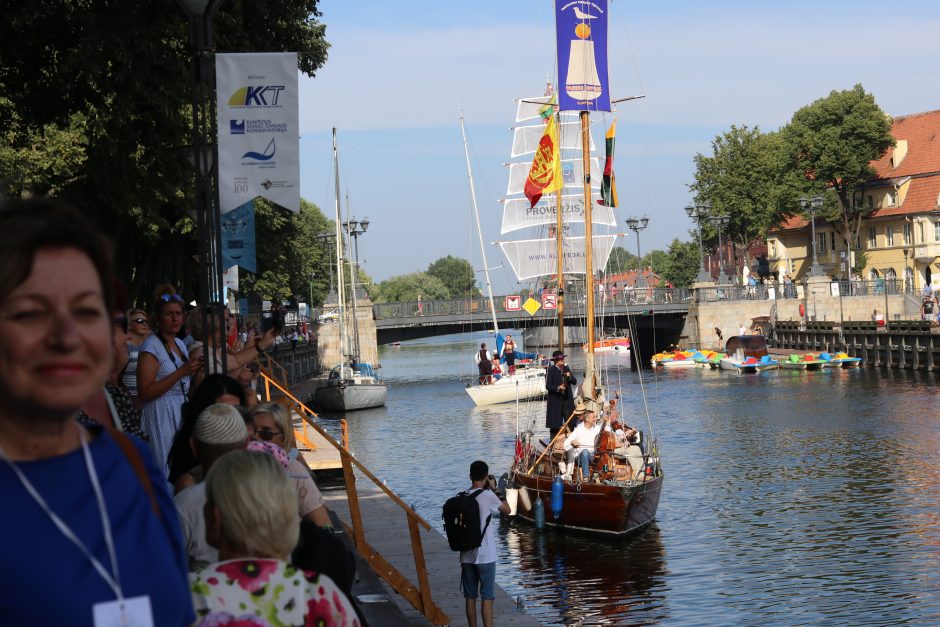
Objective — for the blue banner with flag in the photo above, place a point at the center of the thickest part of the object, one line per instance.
(581, 35)
(238, 237)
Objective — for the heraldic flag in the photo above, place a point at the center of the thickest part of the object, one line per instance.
(545, 174)
(608, 185)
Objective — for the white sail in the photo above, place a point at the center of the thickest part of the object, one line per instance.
(525, 139)
(517, 214)
(531, 108)
(537, 257)
(572, 173)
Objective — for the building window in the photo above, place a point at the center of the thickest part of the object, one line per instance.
(907, 234)
(870, 201)
(889, 235)
(936, 231)
(923, 240)
(832, 240)
(872, 238)
(892, 198)
(820, 243)
(773, 249)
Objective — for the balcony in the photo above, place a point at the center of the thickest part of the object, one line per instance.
(926, 253)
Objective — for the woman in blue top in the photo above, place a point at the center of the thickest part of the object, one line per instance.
(164, 376)
(91, 531)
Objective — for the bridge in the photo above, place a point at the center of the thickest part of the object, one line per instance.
(658, 315)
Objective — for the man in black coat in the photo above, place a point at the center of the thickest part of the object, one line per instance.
(559, 382)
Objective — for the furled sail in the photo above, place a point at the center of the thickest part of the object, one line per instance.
(517, 214)
(537, 257)
(525, 139)
(572, 172)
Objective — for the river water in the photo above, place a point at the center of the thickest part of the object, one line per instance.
(790, 498)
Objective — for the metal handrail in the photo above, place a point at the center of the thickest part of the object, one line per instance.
(420, 598)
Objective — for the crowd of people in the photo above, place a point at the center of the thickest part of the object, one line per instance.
(158, 497)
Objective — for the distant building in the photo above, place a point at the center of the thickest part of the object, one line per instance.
(901, 234)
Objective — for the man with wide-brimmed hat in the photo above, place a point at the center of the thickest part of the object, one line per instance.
(559, 383)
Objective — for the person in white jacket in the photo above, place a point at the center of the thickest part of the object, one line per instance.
(579, 445)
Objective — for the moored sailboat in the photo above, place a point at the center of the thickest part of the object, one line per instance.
(352, 384)
(619, 493)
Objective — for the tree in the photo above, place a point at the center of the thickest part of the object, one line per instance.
(457, 274)
(101, 110)
(682, 263)
(831, 142)
(744, 179)
(409, 287)
(620, 261)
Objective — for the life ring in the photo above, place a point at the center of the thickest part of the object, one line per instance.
(802, 310)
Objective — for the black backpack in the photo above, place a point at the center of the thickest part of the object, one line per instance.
(462, 521)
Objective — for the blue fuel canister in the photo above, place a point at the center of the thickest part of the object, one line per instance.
(558, 492)
(539, 514)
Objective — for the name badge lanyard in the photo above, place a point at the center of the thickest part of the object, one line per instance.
(113, 581)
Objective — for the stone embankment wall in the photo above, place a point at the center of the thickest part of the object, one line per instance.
(328, 337)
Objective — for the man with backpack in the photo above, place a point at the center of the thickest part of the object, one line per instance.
(476, 542)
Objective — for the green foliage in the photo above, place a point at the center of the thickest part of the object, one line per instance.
(620, 261)
(682, 263)
(743, 179)
(457, 274)
(831, 142)
(410, 288)
(658, 260)
(102, 107)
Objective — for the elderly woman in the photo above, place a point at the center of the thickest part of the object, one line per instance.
(164, 375)
(272, 424)
(87, 506)
(251, 518)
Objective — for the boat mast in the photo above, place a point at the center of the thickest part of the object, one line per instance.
(588, 253)
(476, 213)
(559, 253)
(340, 279)
(353, 275)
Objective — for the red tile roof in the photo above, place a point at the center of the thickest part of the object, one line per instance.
(922, 133)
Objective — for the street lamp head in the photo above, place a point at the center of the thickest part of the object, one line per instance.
(804, 204)
(352, 225)
(817, 202)
(364, 224)
(632, 223)
(690, 211)
(704, 208)
(644, 221)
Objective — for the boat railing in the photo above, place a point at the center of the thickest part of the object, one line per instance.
(419, 596)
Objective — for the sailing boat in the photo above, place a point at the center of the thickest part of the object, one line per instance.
(352, 384)
(619, 493)
(528, 381)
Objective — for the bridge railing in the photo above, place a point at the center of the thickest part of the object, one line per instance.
(464, 306)
(877, 287)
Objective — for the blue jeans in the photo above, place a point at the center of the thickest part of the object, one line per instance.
(480, 577)
(583, 459)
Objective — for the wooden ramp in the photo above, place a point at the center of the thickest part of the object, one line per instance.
(316, 451)
(386, 530)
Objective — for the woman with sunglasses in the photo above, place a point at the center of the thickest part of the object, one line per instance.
(164, 375)
(138, 330)
(272, 424)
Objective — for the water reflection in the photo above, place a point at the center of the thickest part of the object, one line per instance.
(792, 498)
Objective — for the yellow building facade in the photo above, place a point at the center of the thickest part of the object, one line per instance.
(900, 237)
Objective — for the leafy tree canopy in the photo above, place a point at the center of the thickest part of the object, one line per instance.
(456, 274)
(682, 263)
(410, 288)
(620, 261)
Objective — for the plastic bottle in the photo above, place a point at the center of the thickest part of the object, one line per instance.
(539, 514)
(558, 491)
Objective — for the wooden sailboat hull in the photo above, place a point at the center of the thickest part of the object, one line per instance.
(352, 396)
(526, 384)
(593, 508)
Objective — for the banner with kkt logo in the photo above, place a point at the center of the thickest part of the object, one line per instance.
(258, 132)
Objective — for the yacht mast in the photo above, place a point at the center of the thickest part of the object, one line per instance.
(476, 213)
(340, 278)
(589, 385)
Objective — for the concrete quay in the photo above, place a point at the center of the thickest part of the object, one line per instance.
(386, 530)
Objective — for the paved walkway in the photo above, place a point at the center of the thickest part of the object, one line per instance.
(386, 529)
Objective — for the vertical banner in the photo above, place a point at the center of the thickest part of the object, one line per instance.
(581, 36)
(238, 238)
(258, 134)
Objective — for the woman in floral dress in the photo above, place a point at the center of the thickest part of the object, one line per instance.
(251, 518)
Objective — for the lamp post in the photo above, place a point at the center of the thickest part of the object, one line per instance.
(636, 225)
(203, 158)
(698, 213)
(812, 206)
(719, 222)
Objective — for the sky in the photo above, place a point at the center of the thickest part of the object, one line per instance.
(399, 74)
